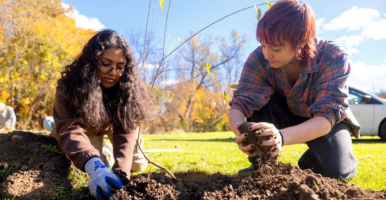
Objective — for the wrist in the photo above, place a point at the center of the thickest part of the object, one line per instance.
(93, 164)
(282, 138)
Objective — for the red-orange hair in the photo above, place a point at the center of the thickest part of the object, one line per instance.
(291, 21)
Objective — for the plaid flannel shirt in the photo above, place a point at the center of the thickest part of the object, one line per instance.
(321, 89)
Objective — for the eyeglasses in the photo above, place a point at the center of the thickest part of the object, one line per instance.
(106, 69)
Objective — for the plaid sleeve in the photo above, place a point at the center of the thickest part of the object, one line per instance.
(332, 91)
(253, 90)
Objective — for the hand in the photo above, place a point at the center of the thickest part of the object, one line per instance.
(269, 129)
(240, 137)
(103, 181)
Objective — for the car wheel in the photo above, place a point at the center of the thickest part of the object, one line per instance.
(382, 130)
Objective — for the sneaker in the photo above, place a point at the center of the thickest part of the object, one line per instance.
(245, 172)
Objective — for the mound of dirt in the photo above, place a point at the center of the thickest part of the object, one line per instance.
(33, 167)
(281, 181)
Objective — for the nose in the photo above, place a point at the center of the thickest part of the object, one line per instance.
(113, 71)
(267, 53)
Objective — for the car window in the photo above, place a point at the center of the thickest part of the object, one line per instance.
(355, 97)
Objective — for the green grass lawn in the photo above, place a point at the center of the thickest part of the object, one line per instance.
(217, 152)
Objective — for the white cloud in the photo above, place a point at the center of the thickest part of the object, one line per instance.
(366, 24)
(353, 19)
(165, 83)
(65, 6)
(318, 24)
(83, 21)
(375, 30)
(365, 19)
(148, 66)
(370, 77)
(349, 42)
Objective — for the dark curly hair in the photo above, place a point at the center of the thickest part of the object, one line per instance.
(125, 104)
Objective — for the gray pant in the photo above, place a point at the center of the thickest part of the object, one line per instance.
(330, 155)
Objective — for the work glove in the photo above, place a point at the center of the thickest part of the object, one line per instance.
(103, 182)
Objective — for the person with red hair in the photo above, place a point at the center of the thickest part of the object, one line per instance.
(294, 85)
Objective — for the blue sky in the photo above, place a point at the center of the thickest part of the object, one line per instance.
(358, 25)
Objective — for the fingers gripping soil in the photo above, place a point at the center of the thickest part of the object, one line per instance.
(263, 153)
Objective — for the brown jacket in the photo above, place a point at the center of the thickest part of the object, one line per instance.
(72, 138)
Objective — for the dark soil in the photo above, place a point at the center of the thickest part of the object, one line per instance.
(38, 168)
(41, 172)
(254, 138)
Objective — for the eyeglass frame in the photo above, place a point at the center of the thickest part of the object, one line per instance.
(111, 69)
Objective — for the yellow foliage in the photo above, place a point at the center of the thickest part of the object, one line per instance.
(4, 94)
(24, 111)
(38, 41)
(208, 107)
(25, 102)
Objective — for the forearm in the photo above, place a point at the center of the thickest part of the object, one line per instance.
(123, 148)
(235, 117)
(306, 131)
(71, 133)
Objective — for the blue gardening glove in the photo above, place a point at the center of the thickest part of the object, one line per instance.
(103, 181)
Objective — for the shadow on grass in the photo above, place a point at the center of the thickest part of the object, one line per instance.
(375, 140)
(372, 141)
(231, 139)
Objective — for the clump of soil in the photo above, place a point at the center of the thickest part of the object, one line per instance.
(281, 181)
(32, 166)
(254, 137)
(42, 173)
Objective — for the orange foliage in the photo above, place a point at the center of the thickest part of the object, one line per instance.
(37, 40)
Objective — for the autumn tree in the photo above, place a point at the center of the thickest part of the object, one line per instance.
(231, 69)
(146, 50)
(37, 39)
(197, 65)
(382, 94)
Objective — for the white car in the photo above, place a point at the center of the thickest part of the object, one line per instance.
(368, 109)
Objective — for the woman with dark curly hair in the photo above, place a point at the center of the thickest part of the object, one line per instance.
(100, 93)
